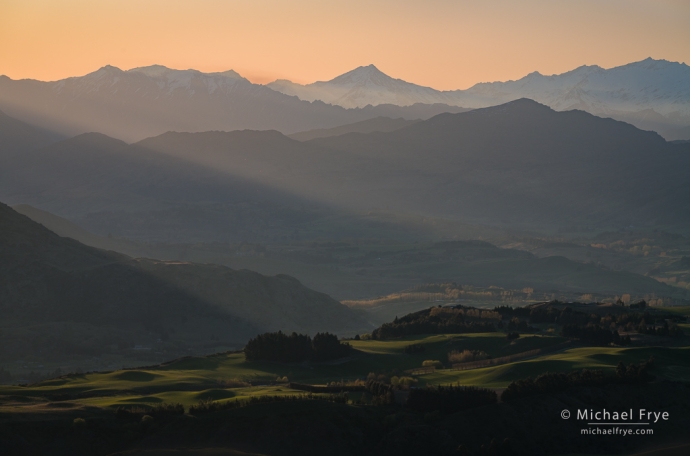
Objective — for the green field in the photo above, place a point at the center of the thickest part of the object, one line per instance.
(194, 379)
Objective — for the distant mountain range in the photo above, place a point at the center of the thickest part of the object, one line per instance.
(651, 94)
(142, 102)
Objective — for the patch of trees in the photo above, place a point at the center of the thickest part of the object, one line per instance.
(382, 392)
(5, 376)
(295, 348)
(515, 324)
(424, 322)
(665, 330)
(639, 305)
(449, 399)
(595, 335)
(466, 356)
(509, 311)
(554, 382)
(567, 315)
(214, 406)
(415, 349)
(158, 410)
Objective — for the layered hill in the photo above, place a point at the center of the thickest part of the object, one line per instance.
(141, 102)
(75, 299)
(520, 164)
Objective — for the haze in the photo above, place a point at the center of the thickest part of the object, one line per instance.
(443, 44)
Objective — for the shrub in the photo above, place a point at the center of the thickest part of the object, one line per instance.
(466, 356)
(432, 363)
(147, 419)
(209, 406)
(79, 422)
(414, 349)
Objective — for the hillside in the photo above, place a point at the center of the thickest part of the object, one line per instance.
(72, 300)
(365, 126)
(522, 163)
(18, 136)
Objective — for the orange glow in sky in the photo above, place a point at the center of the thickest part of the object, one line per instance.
(445, 44)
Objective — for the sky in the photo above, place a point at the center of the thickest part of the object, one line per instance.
(445, 44)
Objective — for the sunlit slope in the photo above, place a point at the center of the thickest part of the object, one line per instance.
(220, 377)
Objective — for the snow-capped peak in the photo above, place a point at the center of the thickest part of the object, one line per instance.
(360, 75)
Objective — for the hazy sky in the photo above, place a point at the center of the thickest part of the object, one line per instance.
(446, 44)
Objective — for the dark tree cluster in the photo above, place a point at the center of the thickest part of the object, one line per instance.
(382, 392)
(594, 335)
(295, 348)
(157, 411)
(214, 406)
(5, 376)
(424, 323)
(563, 316)
(415, 349)
(639, 305)
(512, 336)
(508, 312)
(665, 330)
(449, 399)
(554, 382)
(515, 324)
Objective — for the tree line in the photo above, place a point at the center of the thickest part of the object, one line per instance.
(554, 382)
(424, 322)
(295, 348)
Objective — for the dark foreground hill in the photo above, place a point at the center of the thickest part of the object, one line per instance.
(60, 298)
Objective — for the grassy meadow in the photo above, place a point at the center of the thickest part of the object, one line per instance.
(228, 376)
